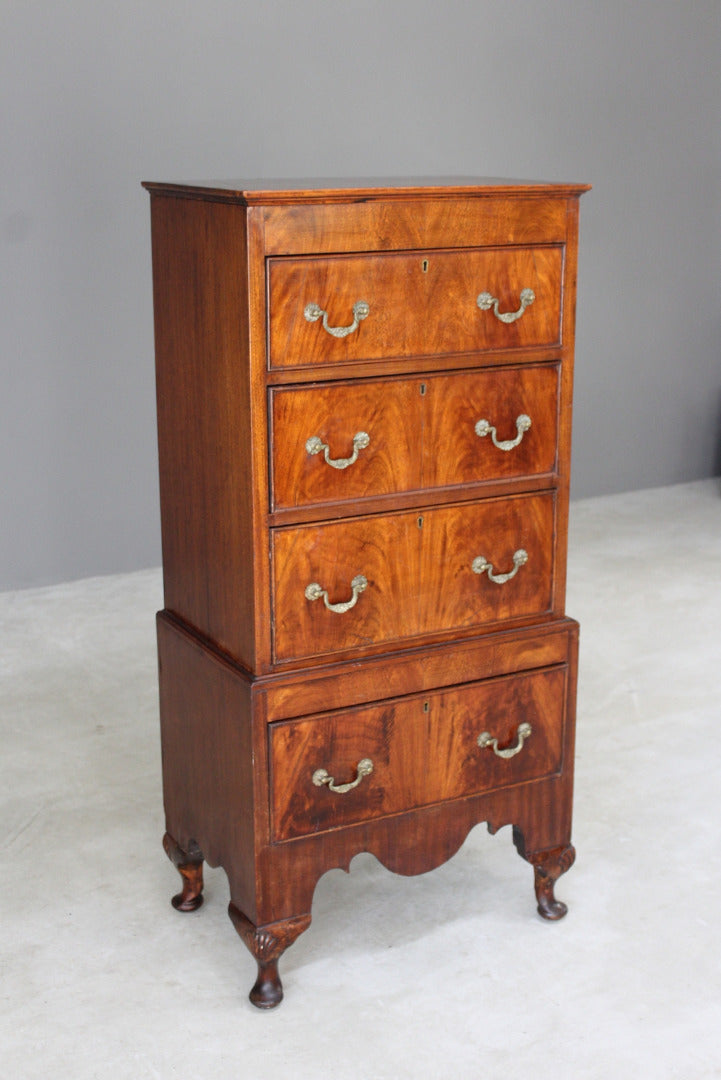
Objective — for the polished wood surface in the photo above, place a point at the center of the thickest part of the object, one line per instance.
(419, 569)
(190, 867)
(261, 686)
(422, 303)
(345, 189)
(419, 223)
(388, 411)
(424, 749)
(267, 944)
(231, 822)
(421, 431)
(204, 418)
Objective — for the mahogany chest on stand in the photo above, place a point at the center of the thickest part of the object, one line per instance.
(364, 414)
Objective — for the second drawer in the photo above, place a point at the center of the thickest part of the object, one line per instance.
(328, 771)
(334, 442)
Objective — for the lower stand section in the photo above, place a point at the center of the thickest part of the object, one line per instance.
(267, 944)
(241, 757)
(548, 866)
(190, 866)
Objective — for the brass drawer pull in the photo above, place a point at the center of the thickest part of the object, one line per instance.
(320, 777)
(485, 301)
(480, 566)
(361, 310)
(486, 740)
(484, 427)
(314, 445)
(358, 585)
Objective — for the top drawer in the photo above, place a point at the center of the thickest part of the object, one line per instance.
(340, 308)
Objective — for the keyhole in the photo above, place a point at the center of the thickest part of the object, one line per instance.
(420, 522)
(424, 265)
(426, 706)
(423, 389)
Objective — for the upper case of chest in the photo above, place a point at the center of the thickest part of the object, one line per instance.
(253, 514)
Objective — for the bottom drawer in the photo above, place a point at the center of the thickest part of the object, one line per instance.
(346, 767)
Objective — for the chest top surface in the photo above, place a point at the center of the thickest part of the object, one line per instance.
(352, 189)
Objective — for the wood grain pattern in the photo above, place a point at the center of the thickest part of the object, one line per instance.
(419, 572)
(206, 723)
(385, 550)
(424, 749)
(204, 418)
(451, 595)
(272, 882)
(260, 686)
(422, 433)
(389, 412)
(415, 670)
(413, 312)
(452, 452)
(415, 223)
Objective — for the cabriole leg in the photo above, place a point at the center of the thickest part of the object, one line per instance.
(547, 868)
(267, 944)
(190, 866)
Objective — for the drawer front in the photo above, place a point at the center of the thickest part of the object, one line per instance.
(342, 441)
(487, 562)
(422, 750)
(383, 551)
(519, 437)
(366, 581)
(414, 304)
(345, 466)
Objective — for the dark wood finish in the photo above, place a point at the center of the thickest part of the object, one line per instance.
(259, 687)
(420, 303)
(204, 418)
(418, 669)
(207, 739)
(190, 867)
(547, 868)
(388, 411)
(418, 224)
(267, 944)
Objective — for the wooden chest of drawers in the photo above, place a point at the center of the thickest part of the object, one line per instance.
(364, 414)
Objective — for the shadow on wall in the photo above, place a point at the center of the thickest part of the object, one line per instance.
(717, 455)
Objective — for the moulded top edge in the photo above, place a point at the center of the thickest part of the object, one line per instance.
(359, 189)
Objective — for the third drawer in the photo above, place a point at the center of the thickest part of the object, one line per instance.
(365, 581)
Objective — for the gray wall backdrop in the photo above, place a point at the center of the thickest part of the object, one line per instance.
(97, 95)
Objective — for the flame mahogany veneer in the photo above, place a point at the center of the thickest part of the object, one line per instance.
(363, 645)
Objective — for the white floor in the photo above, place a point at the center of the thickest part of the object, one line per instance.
(448, 975)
